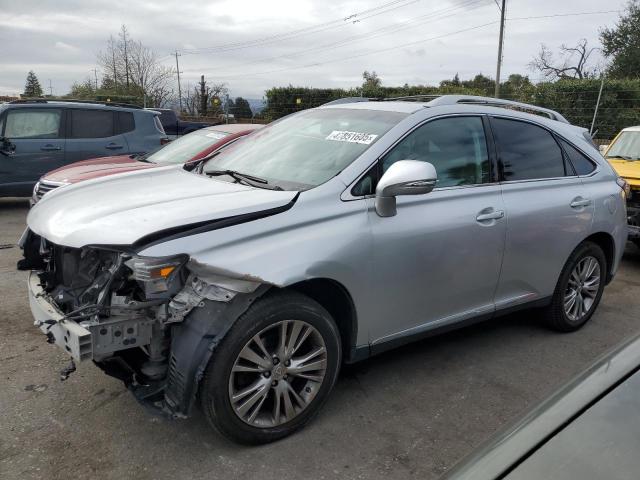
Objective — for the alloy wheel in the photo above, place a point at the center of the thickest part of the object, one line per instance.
(582, 288)
(277, 373)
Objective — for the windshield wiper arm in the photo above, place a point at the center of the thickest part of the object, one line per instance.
(243, 178)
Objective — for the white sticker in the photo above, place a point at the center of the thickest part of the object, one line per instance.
(352, 137)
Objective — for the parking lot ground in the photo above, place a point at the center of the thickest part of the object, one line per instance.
(410, 413)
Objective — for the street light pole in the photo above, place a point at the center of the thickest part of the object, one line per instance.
(179, 90)
(500, 43)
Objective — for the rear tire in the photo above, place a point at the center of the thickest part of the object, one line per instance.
(257, 388)
(579, 289)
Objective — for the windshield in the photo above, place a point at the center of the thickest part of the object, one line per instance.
(626, 146)
(306, 149)
(185, 148)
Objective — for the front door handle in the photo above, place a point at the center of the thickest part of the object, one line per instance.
(114, 146)
(580, 202)
(489, 215)
(50, 148)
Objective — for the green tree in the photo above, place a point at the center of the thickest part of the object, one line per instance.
(32, 88)
(371, 84)
(621, 44)
(84, 90)
(241, 108)
(481, 83)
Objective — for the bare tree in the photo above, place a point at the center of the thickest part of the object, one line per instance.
(193, 98)
(134, 69)
(572, 62)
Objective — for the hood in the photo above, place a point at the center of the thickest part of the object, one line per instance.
(119, 210)
(96, 167)
(629, 170)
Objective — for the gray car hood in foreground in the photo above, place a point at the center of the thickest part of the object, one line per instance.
(121, 209)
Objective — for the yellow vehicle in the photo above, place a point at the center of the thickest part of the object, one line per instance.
(624, 155)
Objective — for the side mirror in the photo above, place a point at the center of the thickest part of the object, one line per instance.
(404, 177)
(6, 147)
(603, 148)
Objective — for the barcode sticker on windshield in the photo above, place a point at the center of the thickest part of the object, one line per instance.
(352, 137)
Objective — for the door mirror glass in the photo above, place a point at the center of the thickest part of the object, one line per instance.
(404, 177)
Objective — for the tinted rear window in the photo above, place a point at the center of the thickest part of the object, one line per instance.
(527, 151)
(91, 124)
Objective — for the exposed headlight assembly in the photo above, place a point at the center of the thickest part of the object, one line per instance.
(156, 274)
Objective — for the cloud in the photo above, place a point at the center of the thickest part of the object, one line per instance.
(415, 43)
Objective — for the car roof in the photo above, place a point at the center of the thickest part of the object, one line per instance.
(632, 129)
(234, 127)
(400, 107)
(76, 104)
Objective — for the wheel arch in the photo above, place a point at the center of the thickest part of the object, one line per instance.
(606, 242)
(335, 297)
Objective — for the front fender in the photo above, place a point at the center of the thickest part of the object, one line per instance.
(193, 342)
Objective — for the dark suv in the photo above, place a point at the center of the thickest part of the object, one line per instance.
(37, 136)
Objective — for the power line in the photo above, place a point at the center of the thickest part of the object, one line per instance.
(337, 23)
(564, 15)
(315, 64)
(412, 23)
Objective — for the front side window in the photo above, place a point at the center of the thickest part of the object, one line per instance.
(455, 146)
(306, 149)
(91, 124)
(31, 123)
(526, 151)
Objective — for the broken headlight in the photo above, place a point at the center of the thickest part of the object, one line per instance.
(156, 274)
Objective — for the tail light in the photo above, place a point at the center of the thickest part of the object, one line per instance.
(624, 185)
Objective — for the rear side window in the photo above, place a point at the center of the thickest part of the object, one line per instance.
(158, 124)
(581, 164)
(126, 123)
(91, 124)
(526, 151)
(31, 123)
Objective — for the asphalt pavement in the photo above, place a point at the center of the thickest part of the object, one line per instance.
(409, 413)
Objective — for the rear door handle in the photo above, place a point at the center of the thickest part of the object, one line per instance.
(493, 215)
(114, 146)
(50, 148)
(580, 202)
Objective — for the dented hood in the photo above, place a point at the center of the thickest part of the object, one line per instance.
(121, 209)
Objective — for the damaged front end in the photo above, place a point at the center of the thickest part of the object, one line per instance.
(151, 322)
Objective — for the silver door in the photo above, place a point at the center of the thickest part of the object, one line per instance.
(437, 261)
(548, 211)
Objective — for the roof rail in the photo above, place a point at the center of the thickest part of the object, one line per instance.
(416, 98)
(496, 102)
(70, 100)
(349, 100)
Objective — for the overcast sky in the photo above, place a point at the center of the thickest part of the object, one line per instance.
(404, 41)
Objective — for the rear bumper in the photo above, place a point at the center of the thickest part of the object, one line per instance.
(70, 336)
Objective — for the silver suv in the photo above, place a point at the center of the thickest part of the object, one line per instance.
(329, 236)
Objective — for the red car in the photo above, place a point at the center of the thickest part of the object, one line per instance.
(190, 148)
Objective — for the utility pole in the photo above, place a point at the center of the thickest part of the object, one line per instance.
(126, 55)
(50, 89)
(113, 63)
(178, 73)
(95, 74)
(500, 43)
(595, 113)
(203, 96)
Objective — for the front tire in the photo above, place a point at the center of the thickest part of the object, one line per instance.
(579, 289)
(273, 370)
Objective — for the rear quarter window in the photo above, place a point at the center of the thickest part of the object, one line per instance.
(581, 164)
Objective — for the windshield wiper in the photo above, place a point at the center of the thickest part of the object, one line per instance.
(243, 178)
(623, 157)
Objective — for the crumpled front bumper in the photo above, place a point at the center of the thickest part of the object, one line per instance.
(67, 334)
